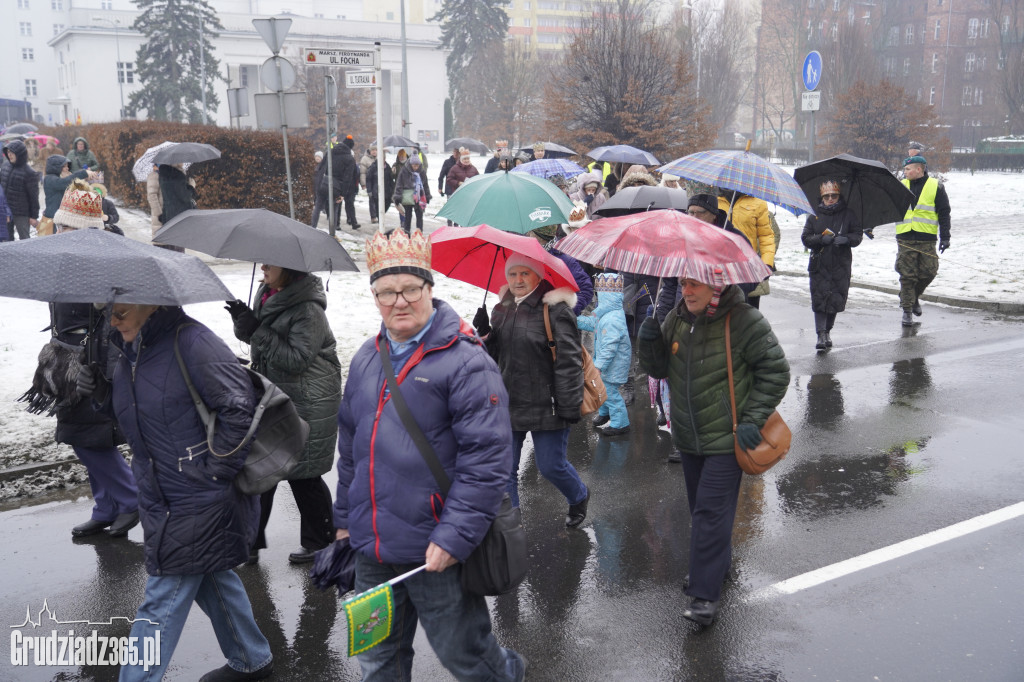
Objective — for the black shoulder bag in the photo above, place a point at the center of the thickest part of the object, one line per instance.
(498, 564)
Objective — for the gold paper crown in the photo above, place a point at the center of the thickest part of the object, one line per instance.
(610, 282)
(501, 144)
(829, 186)
(399, 254)
(577, 214)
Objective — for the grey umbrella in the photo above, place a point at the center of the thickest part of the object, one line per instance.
(258, 236)
(21, 128)
(399, 141)
(642, 198)
(470, 143)
(186, 152)
(87, 266)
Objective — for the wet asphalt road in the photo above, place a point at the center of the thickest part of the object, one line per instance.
(896, 433)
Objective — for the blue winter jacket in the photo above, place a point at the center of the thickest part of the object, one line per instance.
(387, 498)
(586, 293)
(194, 519)
(612, 350)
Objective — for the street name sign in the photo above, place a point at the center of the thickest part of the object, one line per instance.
(317, 56)
(360, 79)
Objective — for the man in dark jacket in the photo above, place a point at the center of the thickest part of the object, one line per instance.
(500, 150)
(928, 218)
(21, 187)
(373, 188)
(197, 525)
(445, 167)
(388, 503)
(345, 172)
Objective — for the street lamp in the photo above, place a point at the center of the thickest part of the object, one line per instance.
(117, 46)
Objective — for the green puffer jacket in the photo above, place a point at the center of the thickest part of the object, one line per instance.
(295, 348)
(691, 353)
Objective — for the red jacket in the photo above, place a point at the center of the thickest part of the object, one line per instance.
(458, 174)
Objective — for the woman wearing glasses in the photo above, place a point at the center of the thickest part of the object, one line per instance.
(291, 343)
(830, 235)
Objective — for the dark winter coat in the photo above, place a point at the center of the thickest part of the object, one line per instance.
(178, 193)
(691, 353)
(81, 159)
(458, 174)
(295, 348)
(5, 215)
(543, 393)
(406, 180)
(586, 293)
(443, 177)
(372, 186)
(386, 497)
(831, 265)
(79, 424)
(20, 183)
(194, 519)
(492, 164)
(54, 185)
(318, 177)
(941, 208)
(344, 170)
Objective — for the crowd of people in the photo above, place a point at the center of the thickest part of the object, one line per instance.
(478, 391)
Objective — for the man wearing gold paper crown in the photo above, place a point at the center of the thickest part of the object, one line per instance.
(388, 502)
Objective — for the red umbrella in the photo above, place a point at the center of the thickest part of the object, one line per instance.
(477, 255)
(666, 243)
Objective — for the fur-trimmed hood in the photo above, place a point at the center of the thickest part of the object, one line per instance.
(635, 178)
(551, 297)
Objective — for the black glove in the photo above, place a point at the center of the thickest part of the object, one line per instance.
(826, 239)
(943, 245)
(841, 240)
(236, 308)
(482, 321)
(649, 331)
(748, 436)
(869, 233)
(588, 197)
(92, 383)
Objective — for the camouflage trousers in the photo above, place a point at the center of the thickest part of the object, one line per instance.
(918, 263)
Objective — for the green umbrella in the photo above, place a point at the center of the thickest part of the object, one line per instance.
(514, 202)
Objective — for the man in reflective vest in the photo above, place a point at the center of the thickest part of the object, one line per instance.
(926, 219)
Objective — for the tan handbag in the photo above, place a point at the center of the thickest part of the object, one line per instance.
(594, 392)
(775, 435)
(45, 227)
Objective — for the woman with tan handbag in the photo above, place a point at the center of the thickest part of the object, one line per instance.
(690, 350)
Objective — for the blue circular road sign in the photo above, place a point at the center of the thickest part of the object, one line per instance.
(812, 70)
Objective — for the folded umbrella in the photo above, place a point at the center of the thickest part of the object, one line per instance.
(666, 243)
(870, 189)
(514, 202)
(258, 236)
(89, 266)
(335, 565)
(642, 198)
(546, 168)
(470, 143)
(744, 172)
(186, 152)
(143, 166)
(477, 255)
(623, 153)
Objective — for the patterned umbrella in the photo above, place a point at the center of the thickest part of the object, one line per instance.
(144, 165)
(744, 172)
(666, 243)
(546, 168)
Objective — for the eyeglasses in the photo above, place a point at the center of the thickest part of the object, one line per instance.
(697, 212)
(410, 294)
(117, 316)
(830, 196)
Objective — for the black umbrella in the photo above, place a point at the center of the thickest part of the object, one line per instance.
(87, 266)
(258, 236)
(470, 143)
(871, 191)
(186, 152)
(399, 141)
(335, 565)
(21, 128)
(643, 198)
(551, 151)
(623, 153)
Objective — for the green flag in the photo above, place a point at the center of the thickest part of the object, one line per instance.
(370, 615)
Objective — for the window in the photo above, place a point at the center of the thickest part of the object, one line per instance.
(931, 96)
(57, 28)
(30, 87)
(318, 16)
(938, 29)
(390, 16)
(906, 66)
(243, 77)
(849, 14)
(972, 29)
(894, 36)
(28, 54)
(834, 31)
(965, 99)
(1006, 24)
(526, 21)
(125, 72)
(920, 32)
(984, 28)
(835, 5)
(979, 98)
(969, 62)
(106, 4)
(908, 35)
(1001, 64)
(526, 5)
(22, 4)
(935, 62)
(867, 18)
(25, 28)
(59, 4)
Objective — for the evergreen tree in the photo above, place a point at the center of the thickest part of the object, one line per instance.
(468, 29)
(169, 64)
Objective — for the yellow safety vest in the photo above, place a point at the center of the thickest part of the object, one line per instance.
(923, 217)
(606, 169)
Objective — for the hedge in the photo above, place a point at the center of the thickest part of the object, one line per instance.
(249, 174)
(993, 161)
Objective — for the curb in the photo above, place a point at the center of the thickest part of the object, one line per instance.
(22, 470)
(1005, 307)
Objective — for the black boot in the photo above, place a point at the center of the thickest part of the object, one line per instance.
(828, 339)
(822, 341)
(916, 308)
(908, 318)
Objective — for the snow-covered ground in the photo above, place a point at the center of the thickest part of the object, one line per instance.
(984, 262)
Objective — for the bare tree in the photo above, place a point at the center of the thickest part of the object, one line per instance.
(848, 58)
(1009, 17)
(622, 81)
(502, 94)
(355, 107)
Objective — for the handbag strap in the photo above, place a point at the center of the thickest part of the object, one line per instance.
(728, 365)
(547, 328)
(208, 418)
(415, 432)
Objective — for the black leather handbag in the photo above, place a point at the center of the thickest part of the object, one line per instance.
(498, 564)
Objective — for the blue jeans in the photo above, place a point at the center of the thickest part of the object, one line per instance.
(550, 450)
(457, 625)
(614, 407)
(111, 481)
(222, 597)
(712, 491)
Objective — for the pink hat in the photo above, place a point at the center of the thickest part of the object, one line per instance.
(519, 259)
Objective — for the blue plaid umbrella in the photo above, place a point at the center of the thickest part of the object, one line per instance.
(546, 168)
(743, 172)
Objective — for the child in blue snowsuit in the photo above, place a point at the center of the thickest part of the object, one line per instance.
(612, 351)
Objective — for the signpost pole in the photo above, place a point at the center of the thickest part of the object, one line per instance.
(284, 137)
(328, 80)
(810, 152)
(381, 185)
